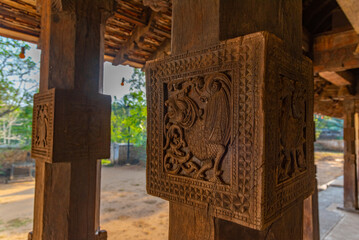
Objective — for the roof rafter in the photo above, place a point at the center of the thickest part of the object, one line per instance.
(132, 42)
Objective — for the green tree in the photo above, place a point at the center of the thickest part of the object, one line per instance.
(327, 123)
(17, 86)
(16, 127)
(129, 114)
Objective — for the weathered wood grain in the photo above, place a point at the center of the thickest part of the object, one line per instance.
(70, 121)
(311, 217)
(351, 126)
(335, 51)
(204, 203)
(339, 78)
(351, 10)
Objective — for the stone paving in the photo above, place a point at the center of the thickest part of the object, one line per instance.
(336, 224)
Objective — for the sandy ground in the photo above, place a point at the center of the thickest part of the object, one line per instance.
(329, 166)
(127, 212)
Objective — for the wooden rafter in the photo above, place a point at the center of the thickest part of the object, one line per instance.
(20, 20)
(351, 10)
(338, 78)
(18, 35)
(335, 52)
(132, 42)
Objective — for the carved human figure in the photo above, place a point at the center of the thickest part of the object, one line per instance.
(41, 126)
(291, 130)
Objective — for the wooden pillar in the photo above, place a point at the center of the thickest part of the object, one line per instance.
(351, 148)
(311, 217)
(230, 124)
(71, 120)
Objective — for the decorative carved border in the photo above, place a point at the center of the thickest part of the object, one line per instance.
(43, 125)
(72, 125)
(247, 200)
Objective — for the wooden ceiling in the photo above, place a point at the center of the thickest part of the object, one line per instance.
(140, 30)
(133, 34)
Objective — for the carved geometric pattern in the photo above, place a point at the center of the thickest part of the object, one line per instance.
(217, 136)
(70, 126)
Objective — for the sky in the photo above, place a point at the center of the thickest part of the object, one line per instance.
(112, 74)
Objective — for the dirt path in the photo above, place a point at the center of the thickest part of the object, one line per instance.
(127, 212)
(329, 166)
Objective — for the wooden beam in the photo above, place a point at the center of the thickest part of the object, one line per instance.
(32, 39)
(30, 8)
(108, 58)
(163, 51)
(338, 78)
(329, 108)
(122, 55)
(335, 51)
(351, 10)
(18, 35)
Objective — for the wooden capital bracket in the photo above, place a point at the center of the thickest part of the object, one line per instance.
(230, 129)
(70, 126)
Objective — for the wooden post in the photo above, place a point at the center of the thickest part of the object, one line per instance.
(311, 217)
(230, 127)
(71, 121)
(351, 128)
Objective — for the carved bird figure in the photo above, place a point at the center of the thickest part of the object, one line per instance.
(206, 129)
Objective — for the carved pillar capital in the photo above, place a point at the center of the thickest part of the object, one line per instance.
(69, 126)
(230, 129)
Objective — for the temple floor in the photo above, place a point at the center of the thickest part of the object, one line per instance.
(336, 224)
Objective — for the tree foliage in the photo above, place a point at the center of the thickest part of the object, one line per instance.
(16, 127)
(129, 114)
(17, 86)
(327, 123)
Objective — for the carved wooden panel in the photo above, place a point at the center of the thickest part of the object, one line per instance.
(42, 128)
(230, 129)
(70, 126)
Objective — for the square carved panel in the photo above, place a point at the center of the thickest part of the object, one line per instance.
(68, 125)
(230, 129)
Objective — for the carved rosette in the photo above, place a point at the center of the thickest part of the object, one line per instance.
(230, 129)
